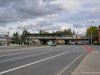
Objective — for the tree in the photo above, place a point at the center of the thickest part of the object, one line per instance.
(65, 32)
(94, 30)
(58, 32)
(16, 39)
(40, 32)
(73, 32)
(24, 36)
(69, 32)
(45, 32)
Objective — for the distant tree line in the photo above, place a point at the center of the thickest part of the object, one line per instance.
(21, 39)
(64, 32)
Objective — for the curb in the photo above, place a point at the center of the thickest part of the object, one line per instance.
(72, 66)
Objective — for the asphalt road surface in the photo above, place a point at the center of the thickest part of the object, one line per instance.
(41, 61)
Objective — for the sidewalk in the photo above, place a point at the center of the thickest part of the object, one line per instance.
(90, 65)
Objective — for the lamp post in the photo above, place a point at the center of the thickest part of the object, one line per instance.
(8, 39)
(62, 39)
(91, 31)
(20, 23)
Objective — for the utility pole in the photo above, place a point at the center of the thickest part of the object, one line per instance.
(8, 39)
(62, 39)
(20, 36)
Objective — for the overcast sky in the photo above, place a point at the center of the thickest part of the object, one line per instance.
(49, 15)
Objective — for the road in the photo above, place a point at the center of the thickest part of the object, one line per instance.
(40, 61)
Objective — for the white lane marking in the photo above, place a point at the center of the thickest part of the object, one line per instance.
(23, 49)
(22, 53)
(27, 56)
(70, 65)
(17, 53)
(23, 66)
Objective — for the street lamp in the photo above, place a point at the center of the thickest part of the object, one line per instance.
(91, 30)
(8, 39)
(62, 38)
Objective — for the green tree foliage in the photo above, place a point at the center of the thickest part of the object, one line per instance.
(69, 32)
(15, 38)
(73, 32)
(40, 32)
(58, 32)
(20, 39)
(65, 32)
(93, 29)
(24, 36)
(43, 32)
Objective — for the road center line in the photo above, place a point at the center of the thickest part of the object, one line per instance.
(23, 66)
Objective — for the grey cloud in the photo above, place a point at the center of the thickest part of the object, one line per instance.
(10, 28)
(48, 25)
(15, 10)
(52, 28)
(44, 23)
(89, 11)
(41, 25)
(77, 26)
(48, 0)
(3, 25)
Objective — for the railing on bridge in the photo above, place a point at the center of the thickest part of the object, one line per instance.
(87, 38)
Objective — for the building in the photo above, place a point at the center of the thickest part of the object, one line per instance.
(3, 39)
(99, 34)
